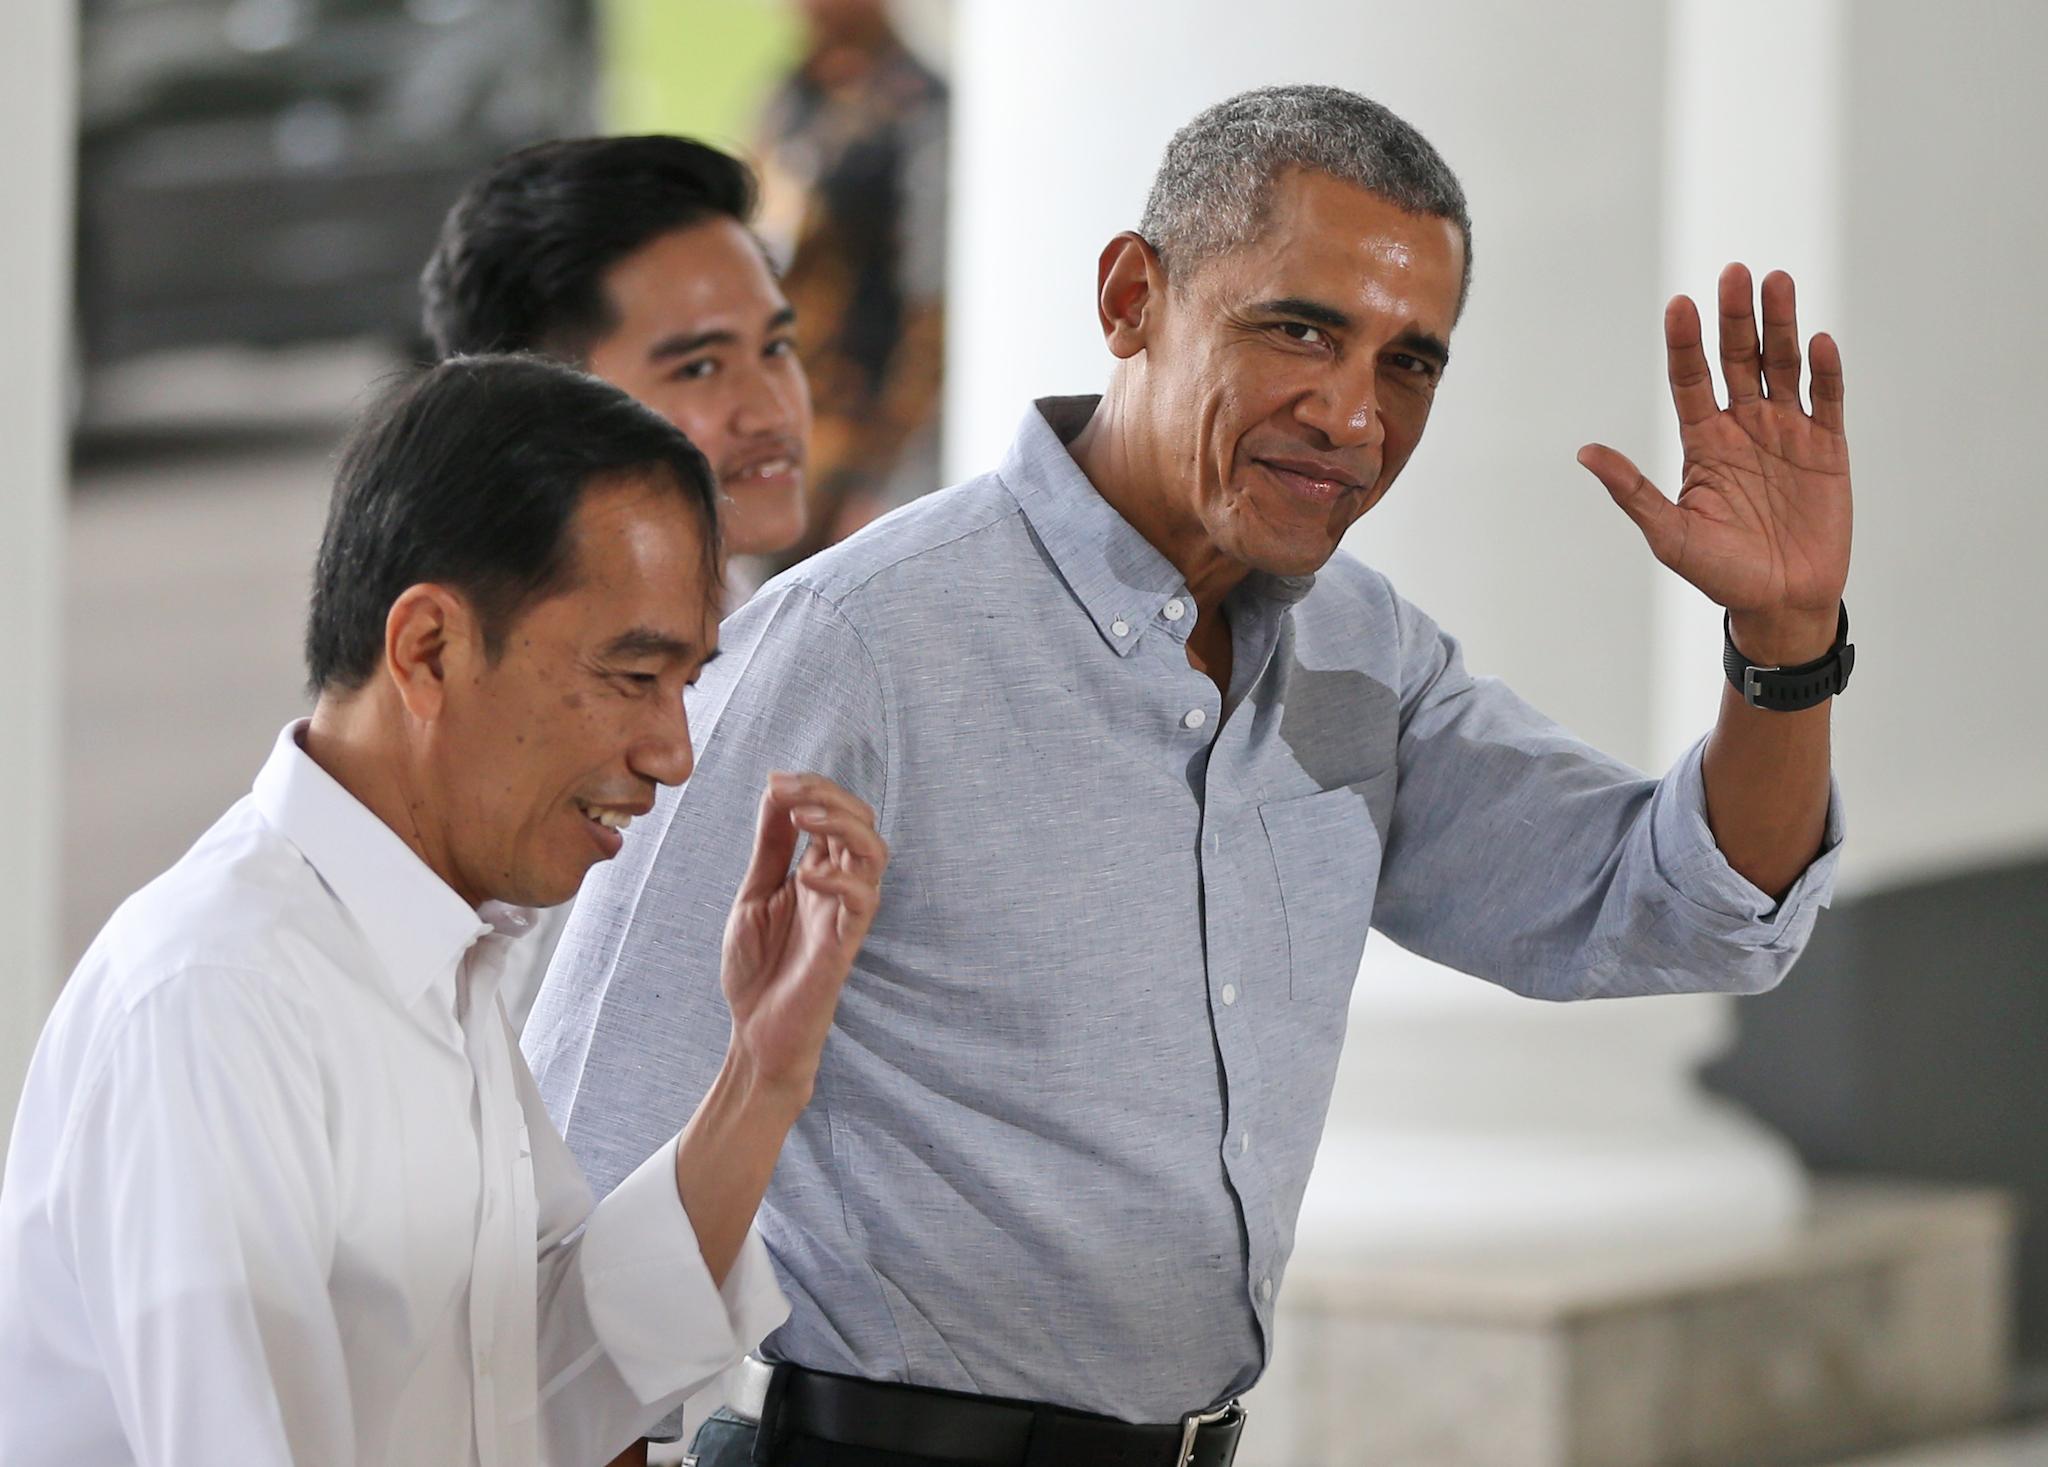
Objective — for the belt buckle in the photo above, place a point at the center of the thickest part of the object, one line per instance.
(1192, 1424)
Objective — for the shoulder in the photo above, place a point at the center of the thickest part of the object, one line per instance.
(242, 897)
(885, 591)
(913, 552)
(240, 933)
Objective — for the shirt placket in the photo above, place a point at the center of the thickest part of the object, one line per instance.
(1232, 935)
(502, 1280)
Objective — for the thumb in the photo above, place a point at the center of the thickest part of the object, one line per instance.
(774, 842)
(1661, 521)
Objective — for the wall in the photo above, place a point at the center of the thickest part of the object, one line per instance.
(37, 79)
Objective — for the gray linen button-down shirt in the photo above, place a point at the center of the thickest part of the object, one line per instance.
(1066, 1115)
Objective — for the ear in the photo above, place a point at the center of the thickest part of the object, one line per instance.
(431, 639)
(1130, 283)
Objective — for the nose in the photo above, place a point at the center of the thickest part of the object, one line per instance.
(1345, 409)
(664, 753)
(763, 401)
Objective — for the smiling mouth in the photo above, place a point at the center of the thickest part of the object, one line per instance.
(615, 820)
(1306, 483)
(767, 471)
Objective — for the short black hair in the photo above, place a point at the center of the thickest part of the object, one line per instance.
(521, 259)
(469, 475)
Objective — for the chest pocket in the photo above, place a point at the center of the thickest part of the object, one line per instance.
(1326, 853)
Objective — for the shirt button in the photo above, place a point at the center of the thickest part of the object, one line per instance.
(1176, 609)
(1244, 1142)
(1195, 718)
(1229, 994)
(1265, 1291)
(1121, 627)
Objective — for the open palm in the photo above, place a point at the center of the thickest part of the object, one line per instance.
(1762, 519)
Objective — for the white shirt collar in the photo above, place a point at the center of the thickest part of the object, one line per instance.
(414, 921)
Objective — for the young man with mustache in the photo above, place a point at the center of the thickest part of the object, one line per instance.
(631, 258)
(1155, 758)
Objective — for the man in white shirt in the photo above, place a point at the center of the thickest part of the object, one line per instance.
(281, 1189)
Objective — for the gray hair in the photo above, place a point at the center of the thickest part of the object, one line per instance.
(1214, 188)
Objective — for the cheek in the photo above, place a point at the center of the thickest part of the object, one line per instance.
(697, 414)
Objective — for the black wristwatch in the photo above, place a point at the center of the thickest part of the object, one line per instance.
(1788, 689)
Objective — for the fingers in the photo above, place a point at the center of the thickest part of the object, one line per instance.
(815, 789)
(1692, 385)
(774, 844)
(1661, 522)
(1740, 362)
(776, 833)
(859, 895)
(845, 837)
(1781, 339)
(1827, 381)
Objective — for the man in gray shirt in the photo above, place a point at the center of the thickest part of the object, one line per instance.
(1152, 758)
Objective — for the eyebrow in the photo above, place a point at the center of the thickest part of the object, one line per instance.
(646, 642)
(1422, 343)
(682, 344)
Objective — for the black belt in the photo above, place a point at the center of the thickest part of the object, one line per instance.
(974, 1431)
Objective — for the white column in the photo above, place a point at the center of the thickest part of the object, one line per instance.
(37, 78)
(1463, 1116)
(1944, 143)
(1754, 174)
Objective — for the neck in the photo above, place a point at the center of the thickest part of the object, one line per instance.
(355, 739)
(1127, 469)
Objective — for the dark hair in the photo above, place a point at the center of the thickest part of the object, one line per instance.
(522, 255)
(468, 475)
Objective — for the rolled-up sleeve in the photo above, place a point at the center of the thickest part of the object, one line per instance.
(630, 1322)
(667, 1327)
(1523, 855)
(1725, 902)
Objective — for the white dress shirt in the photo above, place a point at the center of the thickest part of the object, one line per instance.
(281, 1190)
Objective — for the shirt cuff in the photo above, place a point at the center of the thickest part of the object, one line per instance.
(666, 1327)
(1719, 897)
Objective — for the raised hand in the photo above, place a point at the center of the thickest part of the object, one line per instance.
(793, 934)
(1761, 523)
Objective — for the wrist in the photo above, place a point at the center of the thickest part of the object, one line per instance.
(1783, 638)
(748, 1091)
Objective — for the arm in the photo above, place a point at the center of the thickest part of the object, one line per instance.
(1762, 527)
(661, 1279)
(1518, 853)
(195, 1207)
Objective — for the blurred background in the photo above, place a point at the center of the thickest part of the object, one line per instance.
(219, 212)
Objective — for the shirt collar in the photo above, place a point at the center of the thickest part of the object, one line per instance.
(414, 921)
(1117, 575)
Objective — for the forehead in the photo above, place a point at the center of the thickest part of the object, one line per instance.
(639, 562)
(703, 277)
(1335, 242)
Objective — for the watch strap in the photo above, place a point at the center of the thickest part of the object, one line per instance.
(1789, 689)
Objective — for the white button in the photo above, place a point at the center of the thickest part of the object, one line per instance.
(1195, 719)
(1229, 994)
(1244, 1142)
(1176, 609)
(1265, 1291)
(1121, 627)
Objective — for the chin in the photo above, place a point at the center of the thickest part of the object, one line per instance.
(764, 522)
(1280, 555)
